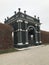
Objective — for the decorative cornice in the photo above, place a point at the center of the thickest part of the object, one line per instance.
(20, 30)
(19, 21)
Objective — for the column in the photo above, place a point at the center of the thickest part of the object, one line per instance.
(39, 35)
(26, 32)
(36, 34)
(19, 32)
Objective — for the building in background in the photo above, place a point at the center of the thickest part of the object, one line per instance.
(26, 29)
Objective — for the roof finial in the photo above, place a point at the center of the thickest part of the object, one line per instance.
(15, 12)
(19, 9)
(25, 12)
(34, 16)
(5, 19)
(38, 18)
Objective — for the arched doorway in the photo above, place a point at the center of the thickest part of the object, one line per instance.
(31, 35)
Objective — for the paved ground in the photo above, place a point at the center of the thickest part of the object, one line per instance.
(36, 55)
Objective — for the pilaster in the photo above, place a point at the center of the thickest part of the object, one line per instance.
(26, 32)
(19, 32)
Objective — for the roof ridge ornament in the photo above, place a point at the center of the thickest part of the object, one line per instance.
(35, 16)
(38, 18)
(24, 11)
(15, 12)
(19, 9)
(7, 17)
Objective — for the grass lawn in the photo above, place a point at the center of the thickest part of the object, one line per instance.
(7, 50)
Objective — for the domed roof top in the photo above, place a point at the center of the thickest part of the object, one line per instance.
(5, 27)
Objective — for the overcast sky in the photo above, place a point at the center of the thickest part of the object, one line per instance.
(33, 7)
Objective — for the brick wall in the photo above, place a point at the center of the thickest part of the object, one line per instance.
(45, 37)
(5, 37)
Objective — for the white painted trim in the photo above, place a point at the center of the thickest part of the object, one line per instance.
(32, 27)
(37, 42)
(19, 30)
(23, 30)
(26, 30)
(19, 43)
(19, 21)
(40, 42)
(26, 22)
(26, 43)
(36, 24)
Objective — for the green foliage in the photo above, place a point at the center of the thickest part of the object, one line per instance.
(7, 50)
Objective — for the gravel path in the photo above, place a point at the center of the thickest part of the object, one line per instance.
(35, 55)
